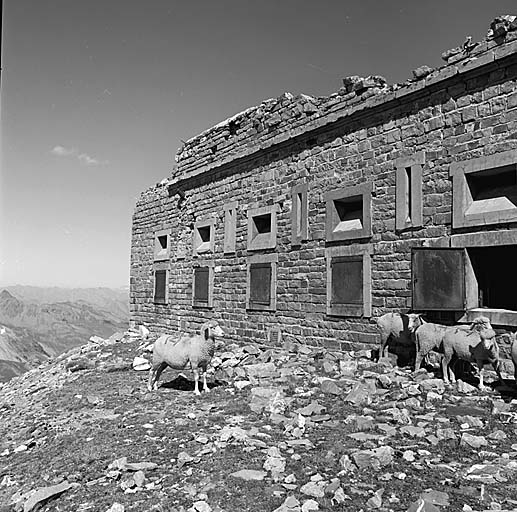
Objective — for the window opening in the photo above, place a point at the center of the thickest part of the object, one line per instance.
(494, 269)
(260, 284)
(201, 285)
(204, 233)
(349, 212)
(162, 240)
(160, 285)
(347, 280)
(262, 224)
(299, 219)
(408, 194)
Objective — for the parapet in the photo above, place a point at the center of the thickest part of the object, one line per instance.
(282, 119)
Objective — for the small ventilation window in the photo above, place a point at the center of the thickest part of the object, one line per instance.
(485, 190)
(348, 213)
(262, 228)
(203, 240)
(161, 245)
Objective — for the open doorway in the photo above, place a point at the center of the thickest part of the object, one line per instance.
(496, 275)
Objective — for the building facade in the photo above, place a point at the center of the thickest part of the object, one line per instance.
(303, 219)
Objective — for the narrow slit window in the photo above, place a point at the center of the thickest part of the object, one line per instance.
(230, 227)
(408, 191)
(408, 194)
(299, 214)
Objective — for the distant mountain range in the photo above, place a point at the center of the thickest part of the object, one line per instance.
(37, 323)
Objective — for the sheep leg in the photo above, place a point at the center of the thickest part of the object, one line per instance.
(418, 360)
(384, 345)
(206, 389)
(196, 380)
(154, 375)
(445, 368)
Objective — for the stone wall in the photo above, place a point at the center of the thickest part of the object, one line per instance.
(464, 110)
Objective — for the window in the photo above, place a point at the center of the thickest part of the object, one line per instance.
(261, 282)
(299, 214)
(230, 227)
(408, 208)
(203, 240)
(262, 228)
(348, 213)
(490, 277)
(438, 279)
(485, 190)
(203, 284)
(160, 286)
(161, 245)
(349, 281)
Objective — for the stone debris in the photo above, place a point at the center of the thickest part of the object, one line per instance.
(357, 417)
(44, 494)
(141, 364)
(249, 474)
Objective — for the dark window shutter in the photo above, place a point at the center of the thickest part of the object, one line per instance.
(347, 280)
(438, 279)
(160, 284)
(260, 283)
(201, 275)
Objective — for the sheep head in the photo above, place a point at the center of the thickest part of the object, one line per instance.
(211, 330)
(415, 320)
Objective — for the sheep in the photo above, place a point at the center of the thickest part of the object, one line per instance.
(177, 353)
(476, 345)
(514, 354)
(397, 327)
(428, 336)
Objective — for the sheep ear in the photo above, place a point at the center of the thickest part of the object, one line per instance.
(207, 332)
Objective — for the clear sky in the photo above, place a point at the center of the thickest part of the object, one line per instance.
(96, 95)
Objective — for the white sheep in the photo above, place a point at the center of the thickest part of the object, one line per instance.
(514, 354)
(428, 336)
(397, 327)
(475, 345)
(177, 353)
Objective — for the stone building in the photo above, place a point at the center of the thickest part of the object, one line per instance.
(303, 219)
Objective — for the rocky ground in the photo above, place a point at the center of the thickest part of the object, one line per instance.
(290, 429)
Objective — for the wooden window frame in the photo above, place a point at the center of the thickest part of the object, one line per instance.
(462, 199)
(261, 241)
(299, 214)
(262, 259)
(210, 303)
(198, 245)
(332, 219)
(408, 199)
(351, 310)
